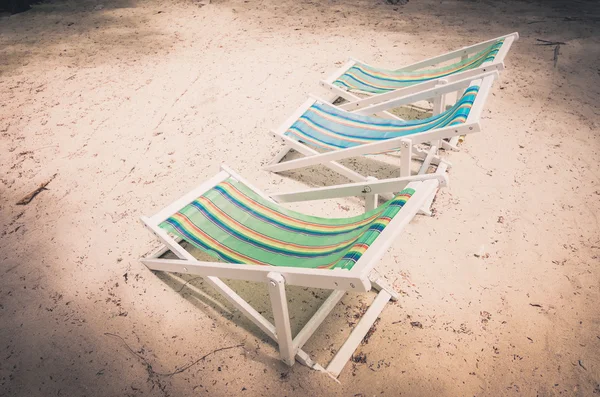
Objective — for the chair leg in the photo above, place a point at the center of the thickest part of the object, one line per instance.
(279, 156)
(405, 157)
(282, 318)
(379, 284)
(364, 325)
(371, 200)
(428, 160)
(453, 142)
(439, 105)
(332, 165)
(426, 208)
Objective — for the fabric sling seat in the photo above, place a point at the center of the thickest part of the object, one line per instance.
(380, 84)
(324, 133)
(326, 127)
(236, 225)
(366, 79)
(254, 238)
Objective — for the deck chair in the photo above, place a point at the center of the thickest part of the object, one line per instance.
(357, 77)
(254, 238)
(324, 133)
(378, 85)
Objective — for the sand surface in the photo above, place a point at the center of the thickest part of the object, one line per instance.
(132, 104)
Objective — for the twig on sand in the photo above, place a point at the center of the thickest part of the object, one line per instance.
(27, 199)
(546, 42)
(186, 283)
(152, 372)
(202, 358)
(556, 49)
(175, 102)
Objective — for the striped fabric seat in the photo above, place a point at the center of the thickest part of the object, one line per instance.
(234, 224)
(323, 126)
(366, 79)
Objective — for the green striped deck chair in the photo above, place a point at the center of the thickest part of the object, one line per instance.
(324, 133)
(356, 77)
(253, 237)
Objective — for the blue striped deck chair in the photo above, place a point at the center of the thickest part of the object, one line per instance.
(250, 235)
(324, 133)
(378, 84)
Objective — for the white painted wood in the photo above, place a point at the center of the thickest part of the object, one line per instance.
(484, 90)
(279, 304)
(422, 154)
(371, 148)
(333, 165)
(503, 51)
(280, 155)
(379, 283)
(337, 92)
(451, 144)
(439, 101)
(313, 278)
(405, 157)
(283, 127)
(371, 199)
(456, 53)
(339, 72)
(459, 93)
(321, 314)
(244, 181)
(427, 161)
(441, 170)
(232, 297)
(426, 94)
(371, 202)
(439, 105)
(159, 252)
(374, 186)
(364, 325)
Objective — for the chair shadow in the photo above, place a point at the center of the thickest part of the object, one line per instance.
(303, 302)
(380, 166)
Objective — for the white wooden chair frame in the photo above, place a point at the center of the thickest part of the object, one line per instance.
(406, 144)
(355, 102)
(359, 278)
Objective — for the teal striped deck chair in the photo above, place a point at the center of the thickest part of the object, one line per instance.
(324, 134)
(251, 236)
(356, 78)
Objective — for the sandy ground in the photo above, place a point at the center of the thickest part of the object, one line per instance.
(132, 104)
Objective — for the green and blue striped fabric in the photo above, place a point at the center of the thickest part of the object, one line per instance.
(324, 126)
(366, 79)
(234, 224)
